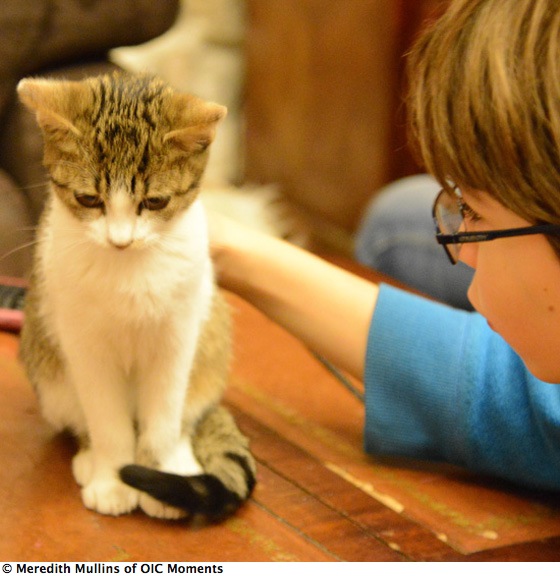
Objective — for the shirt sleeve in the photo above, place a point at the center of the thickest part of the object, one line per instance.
(441, 385)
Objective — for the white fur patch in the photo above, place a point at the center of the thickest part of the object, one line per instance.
(128, 322)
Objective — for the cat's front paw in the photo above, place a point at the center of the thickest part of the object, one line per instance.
(82, 467)
(110, 496)
(180, 460)
(157, 509)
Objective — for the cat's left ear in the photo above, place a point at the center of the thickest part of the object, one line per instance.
(197, 124)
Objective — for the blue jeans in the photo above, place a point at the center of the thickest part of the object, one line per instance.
(397, 237)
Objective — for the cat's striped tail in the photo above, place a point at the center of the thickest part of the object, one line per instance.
(229, 472)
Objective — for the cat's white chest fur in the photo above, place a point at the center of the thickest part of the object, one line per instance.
(128, 297)
(127, 323)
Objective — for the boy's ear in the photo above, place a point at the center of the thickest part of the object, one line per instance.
(56, 103)
(196, 123)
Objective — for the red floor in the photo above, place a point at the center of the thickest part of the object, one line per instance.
(318, 498)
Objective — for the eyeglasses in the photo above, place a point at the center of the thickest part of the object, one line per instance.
(449, 218)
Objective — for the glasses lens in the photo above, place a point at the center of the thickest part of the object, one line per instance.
(449, 219)
(448, 214)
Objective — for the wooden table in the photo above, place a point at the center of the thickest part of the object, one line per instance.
(318, 498)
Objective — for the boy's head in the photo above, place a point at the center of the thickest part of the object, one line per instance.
(484, 102)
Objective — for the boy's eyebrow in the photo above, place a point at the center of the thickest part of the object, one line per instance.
(478, 196)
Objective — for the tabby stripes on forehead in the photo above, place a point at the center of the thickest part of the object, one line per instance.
(99, 99)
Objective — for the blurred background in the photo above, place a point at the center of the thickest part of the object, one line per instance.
(314, 89)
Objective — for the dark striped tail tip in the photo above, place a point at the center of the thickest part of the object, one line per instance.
(203, 494)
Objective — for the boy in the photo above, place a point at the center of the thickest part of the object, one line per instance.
(469, 388)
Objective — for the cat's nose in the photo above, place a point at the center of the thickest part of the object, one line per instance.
(122, 244)
(120, 233)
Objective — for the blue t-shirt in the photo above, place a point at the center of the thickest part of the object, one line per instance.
(441, 385)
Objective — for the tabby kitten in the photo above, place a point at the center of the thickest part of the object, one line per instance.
(126, 338)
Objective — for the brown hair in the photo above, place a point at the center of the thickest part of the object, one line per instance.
(484, 102)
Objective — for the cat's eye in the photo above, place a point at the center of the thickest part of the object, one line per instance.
(89, 200)
(155, 202)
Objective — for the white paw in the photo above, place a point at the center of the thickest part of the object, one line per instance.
(82, 467)
(157, 509)
(181, 460)
(110, 496)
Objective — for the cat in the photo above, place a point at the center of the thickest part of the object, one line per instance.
(126, 339)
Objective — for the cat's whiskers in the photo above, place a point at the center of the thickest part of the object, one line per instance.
(38, 186)
(34, 242)
(171, 244)
(27, 229)
(18, 248)
(72, 241)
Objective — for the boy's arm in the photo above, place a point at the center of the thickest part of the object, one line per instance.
(326, 307)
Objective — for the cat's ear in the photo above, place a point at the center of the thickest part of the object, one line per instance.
(55, 104)
(196, 124)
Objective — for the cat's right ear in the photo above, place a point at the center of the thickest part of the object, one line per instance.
(54, 103)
